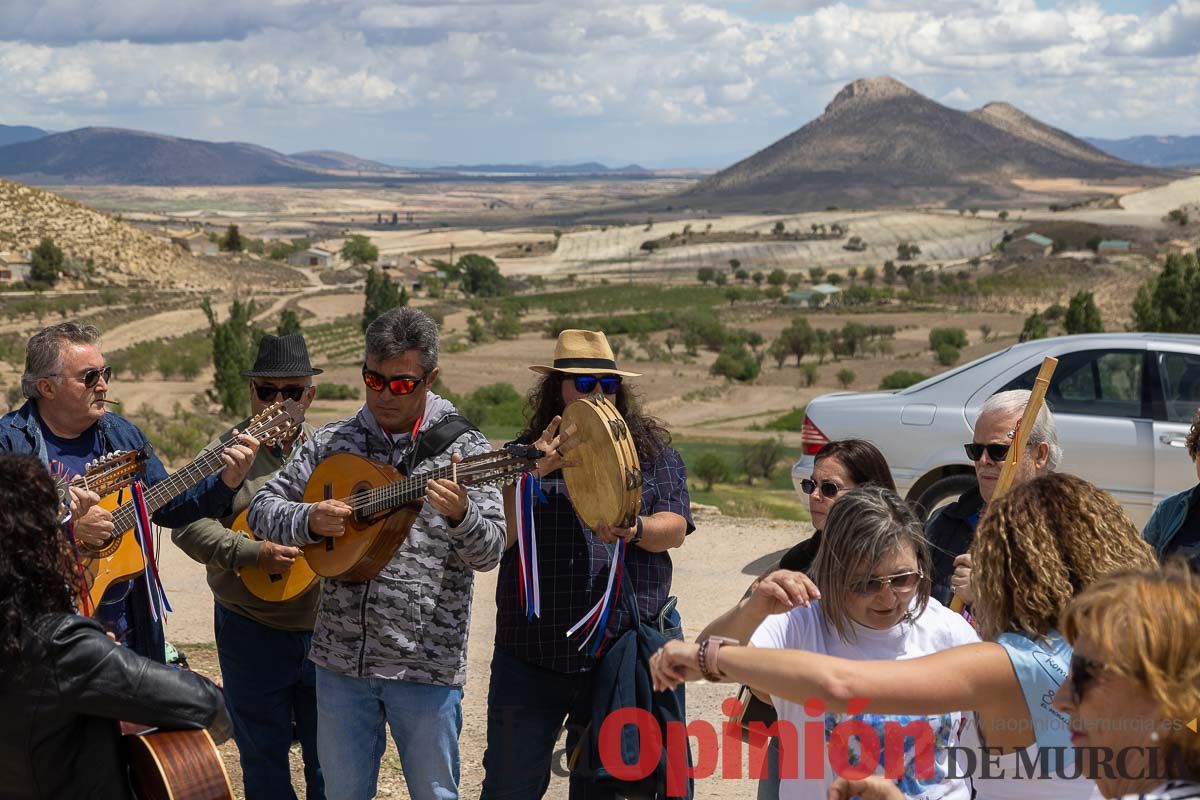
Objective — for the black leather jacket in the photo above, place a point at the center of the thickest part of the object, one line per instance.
(59, 710)
(950, 532)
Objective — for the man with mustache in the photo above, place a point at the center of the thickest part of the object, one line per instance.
(951, 529)
(64, 423)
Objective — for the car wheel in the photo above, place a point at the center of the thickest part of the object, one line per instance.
(942, 492)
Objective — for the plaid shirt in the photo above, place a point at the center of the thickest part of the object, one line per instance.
(573, 568)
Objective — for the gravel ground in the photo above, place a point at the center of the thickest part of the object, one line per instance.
(712, 571)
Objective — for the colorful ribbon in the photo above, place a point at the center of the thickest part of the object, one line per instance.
(597, 618)
(529, 583)
(142, 530)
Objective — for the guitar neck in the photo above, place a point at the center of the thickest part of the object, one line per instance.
(479, 470)
(208, 463)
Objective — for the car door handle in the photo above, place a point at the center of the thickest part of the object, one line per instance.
(1172, 440)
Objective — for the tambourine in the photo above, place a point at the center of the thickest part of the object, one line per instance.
(604, 478)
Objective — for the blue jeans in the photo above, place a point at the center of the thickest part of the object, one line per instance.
(425, 720)
(269, 684)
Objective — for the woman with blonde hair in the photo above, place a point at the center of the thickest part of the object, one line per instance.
(1037, 547)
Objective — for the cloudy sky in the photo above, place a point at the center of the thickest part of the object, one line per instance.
(666, 82)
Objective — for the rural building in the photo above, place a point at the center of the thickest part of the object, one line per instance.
(1029, 246)
(14, 268)
(312, 257)
(197, 243)
(1114, 246)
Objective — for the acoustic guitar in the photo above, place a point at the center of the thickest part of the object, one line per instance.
(121, 558)
(275, 587)
(175, 765)
(109, 473)
(386, 504)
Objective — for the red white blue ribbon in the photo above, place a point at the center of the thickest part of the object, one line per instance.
(529, 583)
(596, 620)
(141, 529)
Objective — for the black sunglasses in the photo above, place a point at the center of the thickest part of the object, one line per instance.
(996, 452)
(900, 582)
(829, 489)
(397, 384)
(1083, 671)
(586, 384)
(268, 393)
(93, 376)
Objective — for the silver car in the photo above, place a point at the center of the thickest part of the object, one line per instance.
(1123, 402)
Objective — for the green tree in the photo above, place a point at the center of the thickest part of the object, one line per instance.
(799, 338)
(289, 322)
(736, 363)
(906, 251)
(779, 351)
(777, 277)
(760, 459)
(815, 274)
(46, 262)
(946, 354)
(476, 331)
(231, 242)
(381, 294)
(870, 275)
(358, 250)
(741, 275)
(845, 377)
(757, 277)
(507, 325)
(985, 331)
(734, 264)
(705, 274)
(953, 337)
(1034, 328)
(1170, 302)
(889, 273)
(1082, 315)
(235, 343)
(809, 373)
(710, 468)
(481, 277)
(650, 245)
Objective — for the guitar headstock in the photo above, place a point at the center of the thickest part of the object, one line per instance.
(113, 471)
(276, 421)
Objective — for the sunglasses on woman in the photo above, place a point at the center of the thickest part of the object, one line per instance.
(829, 489)
(397, 384)
(996, 452)
(586, 384)
(900, 582)
(269, 393)
(1083, 671)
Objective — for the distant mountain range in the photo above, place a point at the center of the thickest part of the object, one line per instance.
(881, 143)
(1156, 151)
(13, 134)
(587, 168)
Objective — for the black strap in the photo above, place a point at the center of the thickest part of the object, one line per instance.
(436, 438)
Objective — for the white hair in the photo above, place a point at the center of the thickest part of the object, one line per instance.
(1044, 429)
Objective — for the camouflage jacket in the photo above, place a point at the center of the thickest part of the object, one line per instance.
(410, 622)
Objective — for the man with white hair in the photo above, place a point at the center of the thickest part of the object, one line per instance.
(951, 529)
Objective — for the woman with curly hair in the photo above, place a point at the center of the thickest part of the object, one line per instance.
(1036, 548)
(540, 676)
(64, 684)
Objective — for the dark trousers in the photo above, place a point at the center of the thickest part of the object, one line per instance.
(269, 684)
(527, 707)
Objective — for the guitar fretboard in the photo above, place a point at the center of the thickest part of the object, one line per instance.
(485, 468)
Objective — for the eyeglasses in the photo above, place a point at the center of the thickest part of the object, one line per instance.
(996, 452)
(93, 376)
(900, 582)
(268, 393)
(1083, 671)
(586, 384)
(829, 489)
(397, 384)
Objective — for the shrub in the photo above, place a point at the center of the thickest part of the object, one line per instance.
(710, 468)
(336, 391)
(809, 373)
(760, 459)
(736, 363)
(901, 379)
(952, 337)
(845, 377)
(946, 355)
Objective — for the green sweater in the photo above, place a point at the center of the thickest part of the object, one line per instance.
(224, 552)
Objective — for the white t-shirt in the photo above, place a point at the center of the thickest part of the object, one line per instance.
(935, 630)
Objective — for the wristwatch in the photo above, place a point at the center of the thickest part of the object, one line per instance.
(707, 656)
(637, 535)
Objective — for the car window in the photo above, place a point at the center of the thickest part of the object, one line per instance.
(1102, 383)
(1180, 377)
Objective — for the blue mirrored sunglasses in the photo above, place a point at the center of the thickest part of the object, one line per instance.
(586, 384)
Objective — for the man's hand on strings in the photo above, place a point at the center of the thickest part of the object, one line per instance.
(238, 459)
(328, 518)
(448, 498)
(82, 501)
(94, 528)
(276, 559)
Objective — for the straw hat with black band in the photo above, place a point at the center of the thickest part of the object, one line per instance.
(583, 353)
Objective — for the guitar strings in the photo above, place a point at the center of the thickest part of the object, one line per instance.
(478, 468)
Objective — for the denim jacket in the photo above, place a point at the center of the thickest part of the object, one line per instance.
(21, 432)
